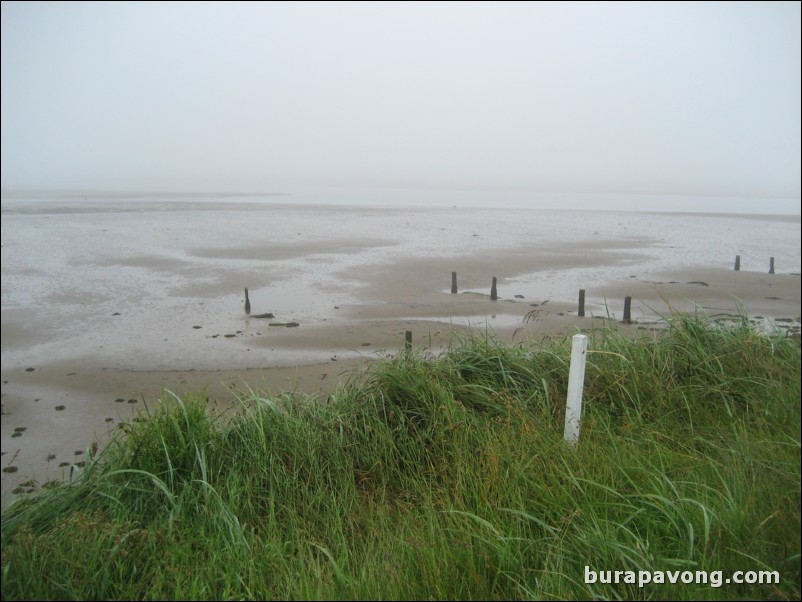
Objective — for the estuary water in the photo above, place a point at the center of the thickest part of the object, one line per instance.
(116, 276)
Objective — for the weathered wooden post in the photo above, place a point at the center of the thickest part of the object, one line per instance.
(737, 263)
(493, 292)
(581, 311)
(453, 283)
(771, 265)
(627, 308)
(247, 303)
(576, 382)
(408, 340)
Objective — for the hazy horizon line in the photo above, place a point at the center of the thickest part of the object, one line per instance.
(97, 194)
(169, 190)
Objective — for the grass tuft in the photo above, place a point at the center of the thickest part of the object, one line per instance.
(446, 478)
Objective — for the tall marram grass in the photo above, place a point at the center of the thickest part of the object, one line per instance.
(446, 478)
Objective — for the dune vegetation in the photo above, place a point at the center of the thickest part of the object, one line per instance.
(447, 477)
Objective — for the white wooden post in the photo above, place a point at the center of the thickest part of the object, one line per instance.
(576, 381)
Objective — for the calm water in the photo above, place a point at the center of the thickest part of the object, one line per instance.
(169, 263)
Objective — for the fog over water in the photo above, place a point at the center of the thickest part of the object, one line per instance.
(639, 106)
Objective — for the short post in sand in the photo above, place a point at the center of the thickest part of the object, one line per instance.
(581, 311)
(627, 308)
(576, 382)
(247, 303)
(408, 340)
(771, 265)
(493, 292)
(453, 283)
(737, 263)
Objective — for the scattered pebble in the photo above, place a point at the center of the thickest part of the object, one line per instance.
(132, 401)
(63, 464)
(59, 408)
(109, 419)
(196, 327)
(10, 469)
(29, 369)
(119, 400)
(79, 452)
(51, 457)
(20, 429)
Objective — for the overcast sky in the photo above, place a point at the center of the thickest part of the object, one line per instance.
(660, 98)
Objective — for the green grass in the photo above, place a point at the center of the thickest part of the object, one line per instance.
(446, 478)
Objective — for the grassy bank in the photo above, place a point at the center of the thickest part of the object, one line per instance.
(446, 478)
